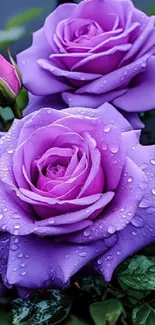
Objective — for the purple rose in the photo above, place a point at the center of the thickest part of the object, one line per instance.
(10, 83)
(94, 52)
(76, 188)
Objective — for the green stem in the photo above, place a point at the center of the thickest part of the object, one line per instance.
(16, 110)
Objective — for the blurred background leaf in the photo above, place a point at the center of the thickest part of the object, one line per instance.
(151, 10)
(11, 35)
(24, 17)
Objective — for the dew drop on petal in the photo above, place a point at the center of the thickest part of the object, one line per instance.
(153, 161)
(134, 233)
(137, 221)
(111, 229)
(107, 128)
(87, 232)
(104, 145)
(83, 254)
(99, 262)
(143, 185)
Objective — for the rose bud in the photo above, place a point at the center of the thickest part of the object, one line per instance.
(10, 82)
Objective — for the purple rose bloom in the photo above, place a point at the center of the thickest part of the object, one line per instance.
(76, 188)
(94, 52)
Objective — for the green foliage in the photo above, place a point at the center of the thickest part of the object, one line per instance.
(50, 307)
(11, 35)
(144, 314)
(24, 17)
(151, 10)
(22, 99)
(5, 317)
(138, 273)
(107, 311)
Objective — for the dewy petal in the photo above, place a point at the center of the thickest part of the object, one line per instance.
(37, 102)
(35, 79)
(88, 100)
(123, 207)
(141, 96)
(103, 63)
(47, 65)
(141, 231)
(55, 261)
(140, 41)
(118, 78)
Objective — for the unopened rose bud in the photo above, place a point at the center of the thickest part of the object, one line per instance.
(10, 83)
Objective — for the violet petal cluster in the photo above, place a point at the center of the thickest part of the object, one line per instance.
(76, 189)
(90, 53)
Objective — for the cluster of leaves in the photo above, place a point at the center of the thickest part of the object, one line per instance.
(7, 114)
(128, 299)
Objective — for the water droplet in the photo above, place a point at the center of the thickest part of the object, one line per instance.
(20, 255)
(137, 221)
(87, 232)
(151, 210)
(10, 151)
(17, 226)
(15, 215)
(130, 179)
(123, 216)
(143, 166)
(134, 233)
(27, 256)
(1, 216)
(153, 161)
(83, 254)
(22, 264)
(14, 247)
(51, 221)
(111, 229)
(109, 257)
(153, 191)
(143, 185)
(104, 145)
(107, 128)
(118, 253)
(14, 269)
(99, 262)
(23, 273)
(113, 147)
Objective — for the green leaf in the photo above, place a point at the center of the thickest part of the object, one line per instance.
(6, 114)
(144, 314)
(151, 10)
(23, 17)
(95, 286)
(11, 35)
(106, 312)
(138, 273)
(50, 307)
(5, 317)
(22, 99)
(76, 322)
